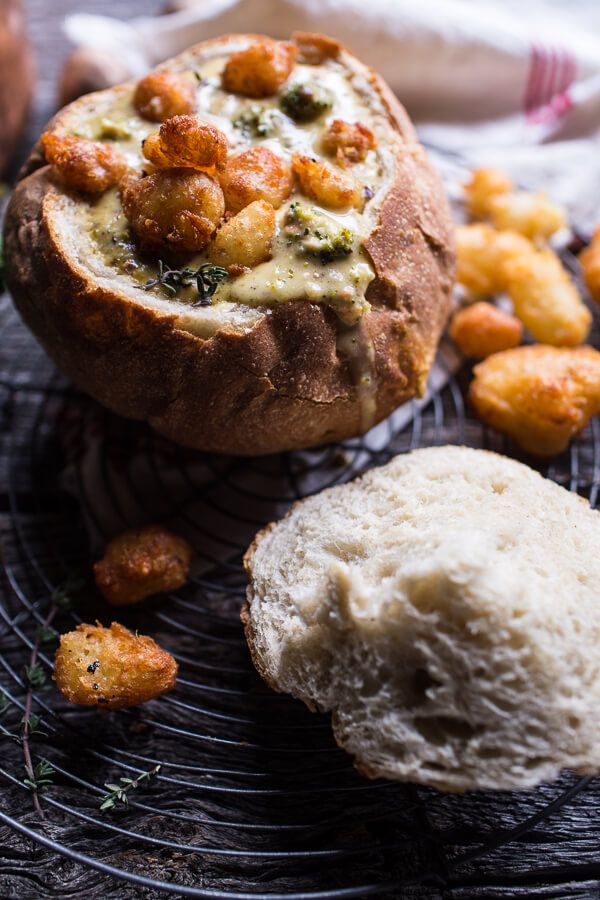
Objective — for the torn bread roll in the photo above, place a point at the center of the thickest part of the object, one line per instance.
(444, 608)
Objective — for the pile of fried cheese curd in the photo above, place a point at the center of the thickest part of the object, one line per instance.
(541, 394)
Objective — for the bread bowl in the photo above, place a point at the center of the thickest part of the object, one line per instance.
(301, 350)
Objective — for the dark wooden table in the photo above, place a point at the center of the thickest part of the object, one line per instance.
(557, 857)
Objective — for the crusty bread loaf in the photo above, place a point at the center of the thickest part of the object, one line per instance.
(446, 608)
(248, 373)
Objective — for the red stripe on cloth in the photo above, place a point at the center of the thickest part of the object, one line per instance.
(527, 93)
(559, 105)
(537, 78)
(531, 79)
(546, 82)
(562, 103)
(570, 70)
(563, 66)
(552, 71)
(552, 78)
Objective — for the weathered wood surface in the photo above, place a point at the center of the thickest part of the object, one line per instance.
(410, 831)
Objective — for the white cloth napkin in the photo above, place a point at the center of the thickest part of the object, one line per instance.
(503, 82)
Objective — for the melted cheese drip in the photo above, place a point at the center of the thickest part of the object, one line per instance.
(357, 346)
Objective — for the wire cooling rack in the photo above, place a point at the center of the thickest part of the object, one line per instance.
(253, 799)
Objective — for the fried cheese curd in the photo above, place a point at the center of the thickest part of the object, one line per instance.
(490, 194)
(111, 668)
(160, 95)
(590, 266)
(186, 142)
(546, 300)
(174, 209)
(141, 562)
(246, 239)
(544, 297)
(348, 142)
(325, 184)
(485, 183)
(481, 255)
(256, 174)
(482, 329)
(83, 165)
(539, 395)
(315, 48)
(533, 215)
(260, 70)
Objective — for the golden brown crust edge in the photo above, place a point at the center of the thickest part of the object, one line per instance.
(283, 384)
(245, 615)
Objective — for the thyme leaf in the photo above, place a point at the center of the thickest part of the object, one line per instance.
(45, 634)
(35, 675)
(62, 596)
(31, 726)
(117, 793)
(206, 277)
(40, 777)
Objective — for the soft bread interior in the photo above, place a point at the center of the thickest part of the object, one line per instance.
(445, 608)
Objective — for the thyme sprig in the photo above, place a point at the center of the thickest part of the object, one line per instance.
(206, 277)
(41, 775)
(39, 778)
(117, 793)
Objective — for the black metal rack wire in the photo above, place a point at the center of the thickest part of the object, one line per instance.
(253, 799)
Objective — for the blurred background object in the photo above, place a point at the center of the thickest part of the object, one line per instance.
(86, 70)
(51, 50)
(16, 77)
(173, 6)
